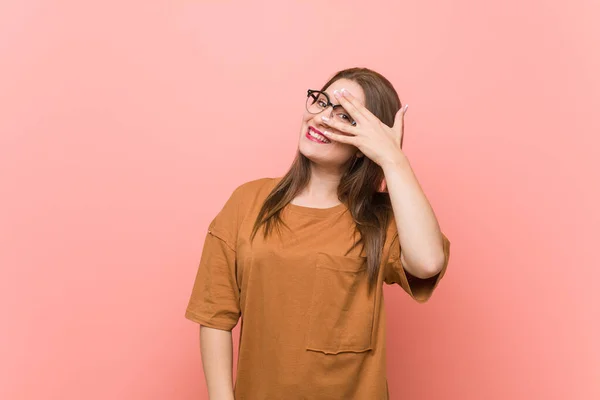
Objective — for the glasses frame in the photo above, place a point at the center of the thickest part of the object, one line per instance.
(309, 92)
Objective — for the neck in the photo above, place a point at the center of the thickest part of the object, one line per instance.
(321, 189)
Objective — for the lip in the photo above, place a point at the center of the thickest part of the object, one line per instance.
(316, 131)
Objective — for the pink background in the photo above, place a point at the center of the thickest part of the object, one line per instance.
(126, 125)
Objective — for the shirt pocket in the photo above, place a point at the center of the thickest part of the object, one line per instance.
(341, 310)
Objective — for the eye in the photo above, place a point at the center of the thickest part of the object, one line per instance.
(322, 103)
(315, 100)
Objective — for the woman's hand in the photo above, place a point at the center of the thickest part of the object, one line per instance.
(372, 137)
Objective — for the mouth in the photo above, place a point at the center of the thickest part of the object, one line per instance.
(316, 136)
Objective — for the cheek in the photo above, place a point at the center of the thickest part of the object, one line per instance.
(305, 120)
(342, 152)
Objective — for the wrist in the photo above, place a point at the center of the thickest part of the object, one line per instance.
(397, 161)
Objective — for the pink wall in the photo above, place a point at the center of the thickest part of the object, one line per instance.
(125, 125)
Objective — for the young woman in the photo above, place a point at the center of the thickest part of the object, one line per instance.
(302, 258)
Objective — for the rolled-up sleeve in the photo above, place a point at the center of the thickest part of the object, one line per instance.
(419, 289)
(215, 297)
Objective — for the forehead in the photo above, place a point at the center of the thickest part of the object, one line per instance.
(349, 85)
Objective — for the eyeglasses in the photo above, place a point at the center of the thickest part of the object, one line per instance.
(317, 101)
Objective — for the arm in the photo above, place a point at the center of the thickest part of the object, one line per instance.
(216, 347)
(215, 299)
(424, 247)
(418, 229)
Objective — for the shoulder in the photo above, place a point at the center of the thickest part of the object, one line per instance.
(248, 195)
(252, 191)
(256, 185)
(242, 199)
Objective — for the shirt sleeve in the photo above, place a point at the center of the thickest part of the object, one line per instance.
(215, 297)
(419, 289)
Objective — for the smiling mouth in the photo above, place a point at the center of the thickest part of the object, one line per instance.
(316, 135)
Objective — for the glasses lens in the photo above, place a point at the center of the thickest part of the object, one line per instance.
(316, 102)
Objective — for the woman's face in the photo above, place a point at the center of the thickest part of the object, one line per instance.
(330, 154)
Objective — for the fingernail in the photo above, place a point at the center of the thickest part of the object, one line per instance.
(326, 133)
(345, 92)
(336, 93)
(405, 108)
(324, 118)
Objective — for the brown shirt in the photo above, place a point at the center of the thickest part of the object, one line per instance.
(310, 329)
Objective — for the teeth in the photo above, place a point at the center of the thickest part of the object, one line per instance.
(317, 136)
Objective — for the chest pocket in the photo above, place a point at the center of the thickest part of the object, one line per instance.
(341, 309)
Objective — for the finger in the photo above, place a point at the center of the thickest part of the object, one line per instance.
(350, 99)
(399, 119)
(341, 138)
(339, 126)
(349, 106)
(399, 124)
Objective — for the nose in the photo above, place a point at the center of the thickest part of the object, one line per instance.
(318, 122)
(326, 112)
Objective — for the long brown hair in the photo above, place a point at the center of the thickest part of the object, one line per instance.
(360, 182)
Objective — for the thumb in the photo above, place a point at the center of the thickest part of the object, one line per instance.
(399, 118)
